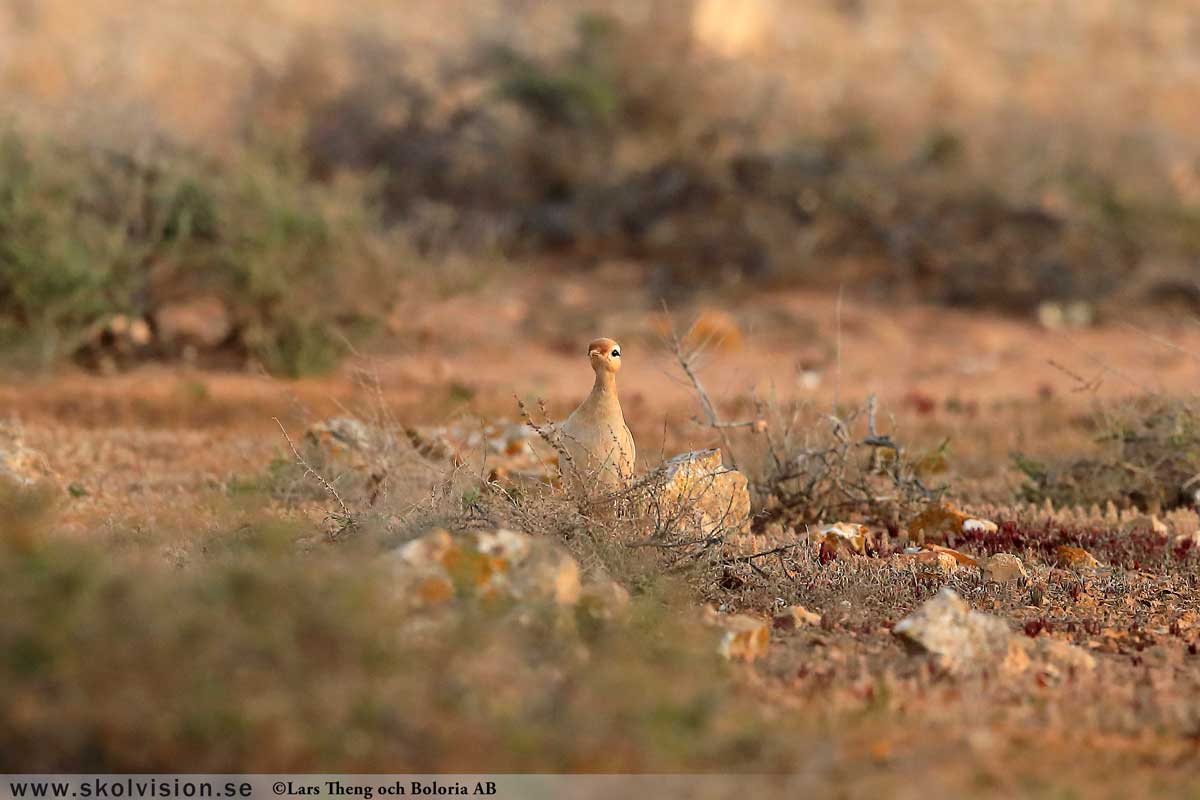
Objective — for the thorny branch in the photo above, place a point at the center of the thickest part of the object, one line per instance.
(346, 519)
(686, 357)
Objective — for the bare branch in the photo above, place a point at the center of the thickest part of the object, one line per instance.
(346, 520)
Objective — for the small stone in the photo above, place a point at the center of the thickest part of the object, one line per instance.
(1058, 656)
(1076, 558)
(960, 559)
(975, 525)
(1004, 568)
(796, 617)
(340, 435)
(842, 539)
(19, 463)
(745, 638)
(1051, 315)
(488, 565)
(929, 563)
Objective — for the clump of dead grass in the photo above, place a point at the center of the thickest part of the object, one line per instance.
(1146, 456)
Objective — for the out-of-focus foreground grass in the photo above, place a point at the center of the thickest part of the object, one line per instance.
(259, 655)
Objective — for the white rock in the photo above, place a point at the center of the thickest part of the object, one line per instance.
(1004, 568)
(745, 638)
(960, 639)
(701, 494)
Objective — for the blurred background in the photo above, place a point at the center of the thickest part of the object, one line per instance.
(273, 184)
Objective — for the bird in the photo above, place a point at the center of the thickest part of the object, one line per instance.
(595, 438)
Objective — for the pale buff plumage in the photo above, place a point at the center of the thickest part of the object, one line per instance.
(595, 436)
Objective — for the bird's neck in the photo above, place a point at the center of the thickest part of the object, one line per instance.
(604, 390)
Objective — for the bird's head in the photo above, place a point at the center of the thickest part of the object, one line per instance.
(605, 355)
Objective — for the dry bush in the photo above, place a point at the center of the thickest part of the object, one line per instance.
(837, 469)
(631, 140)
(1147, 456)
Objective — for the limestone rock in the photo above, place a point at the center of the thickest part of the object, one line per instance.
(702, 494)
(1054, 658)
(503, 543)
(502, 564)
(842, 539)
(1076, 558)
(942, 522)
(744, 638)
(547, 574)
(429, 551)
(961, 640)
(928, 563)
(420, 569)
(933, 561)
(960, 559)
(957, 637)
(1004, 568)
(340, 443)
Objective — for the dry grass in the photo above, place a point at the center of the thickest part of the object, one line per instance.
(213, 598)
(305, 631)
(1146, 458)
(257, 644)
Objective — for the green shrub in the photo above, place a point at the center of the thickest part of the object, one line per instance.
(64, 261)
(86, 234)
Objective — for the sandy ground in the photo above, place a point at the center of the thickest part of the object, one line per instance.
(153, 451)
(175, 432)
(480, 352)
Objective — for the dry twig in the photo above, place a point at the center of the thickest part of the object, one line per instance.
(346, 519)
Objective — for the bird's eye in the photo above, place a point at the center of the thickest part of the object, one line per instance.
(616, 353)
